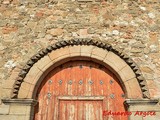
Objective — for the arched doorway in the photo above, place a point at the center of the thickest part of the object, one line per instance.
(79, 90)
(29, 81)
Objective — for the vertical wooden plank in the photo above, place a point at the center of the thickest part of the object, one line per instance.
(86, 79)
(61, 81)
(49, 95)
(62, 110)
(73, 78)
(80, 81)
(80, 110)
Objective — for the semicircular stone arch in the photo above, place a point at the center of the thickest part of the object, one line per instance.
(47, 59)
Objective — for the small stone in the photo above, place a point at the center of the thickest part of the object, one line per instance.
(22, 31)
(116, 22)
(7, 30)
(108, 33)
(32, 15)
(41, 35)
(136, 50)
(142, 8)
(146, 56)
(3, 22)
(31, 24)
(2, 47)
(91, 31)
(74, 34)
(154, 27)
(83, 32)
(93, 19)
(147, 69)
(151, 15)
(115, 32)
(6, 2)
(78, 10)
(138, 45)
(39, 14)
(10, 64)
(104, 35)
(56, 32)
(132, 41)
(153, 48)
(22, 9)
(108, 16)
(133, 23)
(146, 51)
(48, 37)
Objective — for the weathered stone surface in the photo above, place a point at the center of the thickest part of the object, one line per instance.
(4, 109)
(147, 69)
(55, 32)
(18, 110)
(27, 26)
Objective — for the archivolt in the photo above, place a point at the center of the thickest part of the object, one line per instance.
(64, 43)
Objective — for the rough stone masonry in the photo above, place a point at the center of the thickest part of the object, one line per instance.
(27, 26)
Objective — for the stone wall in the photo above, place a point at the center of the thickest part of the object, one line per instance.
(133, 26)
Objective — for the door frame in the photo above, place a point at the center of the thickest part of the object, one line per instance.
(77, 98)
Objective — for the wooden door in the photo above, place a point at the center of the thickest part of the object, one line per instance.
(79, 90)
(80, 110)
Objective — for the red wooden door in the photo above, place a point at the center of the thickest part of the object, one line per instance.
(79, 90)
(80, 110)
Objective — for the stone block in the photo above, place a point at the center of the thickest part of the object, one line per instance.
(83, 32)
(75, 50)
(116, 60)
(43, 62)
(132, 117)
(99, 52)
(126, 73)
(7, 30)
(56, 32)
(4, 109)
(132, 89)
(145, 107)
(151, 117)
(111, 66)
(96, 57)
(23, 94)
(6, 93)
(29, 110)
(26, 86)
(47, 66)
(59, 53)
(28, 117)
(93, 19)
(31, 24)
(31, 94)
(86, 50)
(17, 109)
(32, 74)
(13, 117)
(8, 84)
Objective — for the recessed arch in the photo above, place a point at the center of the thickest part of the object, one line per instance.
(83, 81)
(86, 49)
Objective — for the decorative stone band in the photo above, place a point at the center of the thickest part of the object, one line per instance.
(142, 105)
(80, 41)
(30, 102)
(129, 102)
